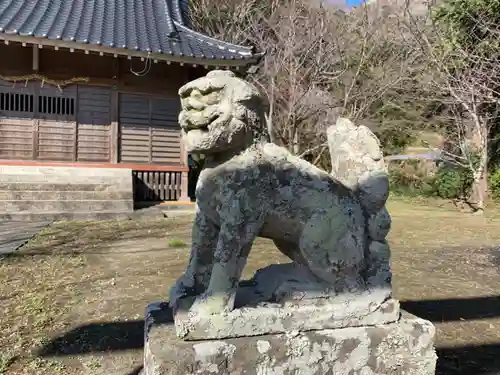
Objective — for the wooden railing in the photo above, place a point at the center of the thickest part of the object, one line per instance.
(156, 186)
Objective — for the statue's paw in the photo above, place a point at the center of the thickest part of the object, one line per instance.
(206, 304)
(178, 291)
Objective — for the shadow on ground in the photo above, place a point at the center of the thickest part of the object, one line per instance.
(464, 360)
(136, 371)
(449, 310)
(469, 360)
(97, 337)
(102, 337)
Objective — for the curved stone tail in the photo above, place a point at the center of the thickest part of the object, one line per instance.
(357, 162)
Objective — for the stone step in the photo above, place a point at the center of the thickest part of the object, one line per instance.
(14, 234)
(110, 173)
(63, 216)
(174, 213)
(41, 195)
(48, 186)
(176, 206)
(172, 209)
(65, 179)
(15, 206)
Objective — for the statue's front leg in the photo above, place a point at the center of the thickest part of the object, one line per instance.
(196, 278)
(233, 247)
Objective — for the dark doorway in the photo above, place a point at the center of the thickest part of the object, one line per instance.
(195, 166)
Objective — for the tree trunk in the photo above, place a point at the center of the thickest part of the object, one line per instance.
(478, 193)
(296, 143)
(270, 128)
(479, 190)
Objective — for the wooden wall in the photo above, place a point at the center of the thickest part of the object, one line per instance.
(117, 112)
(15, 59)
(149, 132)
(45, 123)
(160, 78)
(94, 123)
(16, 134)
(54, 126)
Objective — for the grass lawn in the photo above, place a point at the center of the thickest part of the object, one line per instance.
(72, 301)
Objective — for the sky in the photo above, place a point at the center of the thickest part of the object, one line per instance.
(353, 2)
(342, 3)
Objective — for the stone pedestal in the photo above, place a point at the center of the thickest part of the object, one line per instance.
(404, 347)
(272, 318)
(285, 298)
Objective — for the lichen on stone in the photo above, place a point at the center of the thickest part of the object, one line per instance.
(249, 187)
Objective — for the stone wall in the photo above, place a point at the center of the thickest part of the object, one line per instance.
(63, 193)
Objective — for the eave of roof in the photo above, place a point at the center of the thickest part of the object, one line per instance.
(156, 29)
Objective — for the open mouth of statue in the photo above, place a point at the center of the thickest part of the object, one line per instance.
(199, 125)
(197, 133)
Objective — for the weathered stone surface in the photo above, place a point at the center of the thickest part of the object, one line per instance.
(358, 162)
(379, 225)
(355, 152)
(401, 348)
(328, 312)
(250, 187)
(275, 318)
(287, 297)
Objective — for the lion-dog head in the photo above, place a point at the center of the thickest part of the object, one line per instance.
(221, 113)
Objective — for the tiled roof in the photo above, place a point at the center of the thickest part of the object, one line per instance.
(159, 27)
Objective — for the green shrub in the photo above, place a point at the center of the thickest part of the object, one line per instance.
(448, 182)
(494, 183)
(408, 179)
(176, 242)
(452, 182)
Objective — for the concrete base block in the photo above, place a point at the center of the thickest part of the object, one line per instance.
(401, 348)
(287, 297)
(276, 318)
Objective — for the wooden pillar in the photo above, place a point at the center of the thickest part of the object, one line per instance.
(35, 66)
(114, 130)
(36, 58)
(184, 177)
(75, 129)
(35, 140)
(150, 122)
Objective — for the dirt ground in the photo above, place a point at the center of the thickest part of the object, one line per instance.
(72, 301)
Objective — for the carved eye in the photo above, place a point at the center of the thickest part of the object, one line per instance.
(212, 98)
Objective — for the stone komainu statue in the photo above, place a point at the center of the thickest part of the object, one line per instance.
(332, 225)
